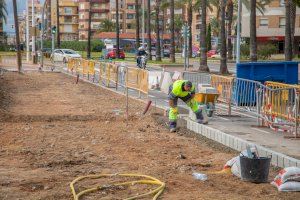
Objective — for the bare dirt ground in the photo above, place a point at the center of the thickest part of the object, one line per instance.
(52, 131)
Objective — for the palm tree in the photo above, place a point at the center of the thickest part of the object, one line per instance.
(178, 23)
(230, 9)
(107, 26)
(190, 21)
(137, 24)
(57, 24)
(223, 66)
(17, 36)
(253, 39)
(288, 32)
(117, 29)
(203, 56)
(293, 23)
(3, 10)
(88, 53)
(3, 13)
(149, 28)
(172, 46)
(158, 55)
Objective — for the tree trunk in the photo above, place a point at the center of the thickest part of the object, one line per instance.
(229, 28)
(117, 29)
(223, 66)
(58, 23)
(288, 32)
(17, 36)
(293, 24)
(190, 21)
(158, 57)
(172, 46)
(253, 39)
(149, 28)
(203, 51)
(137, 28)
(88, 53)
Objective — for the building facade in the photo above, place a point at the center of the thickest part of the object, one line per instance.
(271, 25)
(68, 18)
(99, 9)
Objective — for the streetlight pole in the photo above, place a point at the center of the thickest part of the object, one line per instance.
(238, 37)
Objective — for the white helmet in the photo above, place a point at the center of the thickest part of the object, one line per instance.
(141, 48)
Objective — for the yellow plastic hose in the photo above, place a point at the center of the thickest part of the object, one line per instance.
(148, 180)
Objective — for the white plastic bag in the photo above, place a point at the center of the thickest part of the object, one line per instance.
(291, 186)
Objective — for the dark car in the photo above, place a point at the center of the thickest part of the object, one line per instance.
(112, 54)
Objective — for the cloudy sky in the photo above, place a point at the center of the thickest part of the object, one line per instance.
(10, 15)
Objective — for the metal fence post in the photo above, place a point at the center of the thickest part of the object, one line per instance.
(297, 101)
(258, 105)
(230, 97)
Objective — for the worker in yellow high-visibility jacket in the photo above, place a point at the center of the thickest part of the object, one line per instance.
(185, 91)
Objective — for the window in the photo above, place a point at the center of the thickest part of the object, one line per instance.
(68, 28)
(81, 16)
(129, 26)
(103, 6)
(281, 22)
(82, 6)
(68, 10)
(95, 15)
(198, 26)
(130, 7)
(263, 22)
(95, 5)
(68, 19)
(130, 16)
(103, 15)
(81, 26)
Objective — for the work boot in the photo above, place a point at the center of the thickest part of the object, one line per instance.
(200, 118)
(173, 127)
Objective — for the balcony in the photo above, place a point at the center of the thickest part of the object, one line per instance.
(99, 10)
(99, 1)
(69, 21)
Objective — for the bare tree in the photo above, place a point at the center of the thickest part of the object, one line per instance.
(117, 29)
(158, 55)
(288, 32)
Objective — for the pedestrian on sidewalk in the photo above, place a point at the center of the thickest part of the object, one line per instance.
(185, 91)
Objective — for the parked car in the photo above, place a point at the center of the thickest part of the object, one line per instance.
(166, 52)
(111, 54)
(210, 53)
(63, 55)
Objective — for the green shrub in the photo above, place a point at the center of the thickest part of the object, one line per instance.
(266, 50)
(245, 50)
(96, 45)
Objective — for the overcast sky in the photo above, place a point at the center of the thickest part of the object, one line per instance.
(21, 4)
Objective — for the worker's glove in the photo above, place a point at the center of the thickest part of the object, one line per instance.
(174, 111)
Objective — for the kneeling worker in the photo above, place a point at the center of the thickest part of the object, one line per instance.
(185, 91)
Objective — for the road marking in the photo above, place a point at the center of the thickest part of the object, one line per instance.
(151, 96)
(260, 130)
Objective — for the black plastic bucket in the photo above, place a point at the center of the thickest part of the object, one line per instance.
(255, 170)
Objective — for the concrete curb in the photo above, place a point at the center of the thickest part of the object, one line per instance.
(278, 159)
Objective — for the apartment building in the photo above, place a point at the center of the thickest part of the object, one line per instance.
(271, 25)
(100, 10)
(68, 18)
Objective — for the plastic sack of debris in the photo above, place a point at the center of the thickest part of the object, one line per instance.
(235, 165)
(288, 179)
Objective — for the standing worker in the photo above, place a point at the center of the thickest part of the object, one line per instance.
(184, 90)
